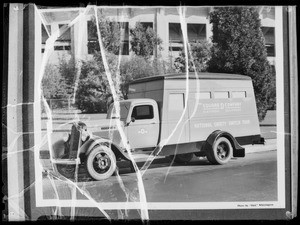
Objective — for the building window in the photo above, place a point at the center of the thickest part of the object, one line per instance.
(195, 32)
(124, 27)
(92, 37)
(175, 37)
(45, 35)
(269, 34)
(63, 42)
(62, 48)
(66, 36)
(146, 25)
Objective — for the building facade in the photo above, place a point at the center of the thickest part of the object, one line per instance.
(164, 20)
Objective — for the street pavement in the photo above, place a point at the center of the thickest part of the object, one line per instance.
(252, 178)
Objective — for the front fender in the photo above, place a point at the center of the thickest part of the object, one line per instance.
(58, 149)
(92, 142)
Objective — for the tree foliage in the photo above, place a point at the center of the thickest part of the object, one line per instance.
(201, 54)
(239, 47)
(110, 34)
(53, 83)
(93, 88)
(93, 91)
(67, 69)
(144, 41)
(133, 68)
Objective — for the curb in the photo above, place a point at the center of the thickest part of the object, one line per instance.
(270, 145)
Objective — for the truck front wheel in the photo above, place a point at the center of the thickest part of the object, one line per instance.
(221, 151)
(101, 162)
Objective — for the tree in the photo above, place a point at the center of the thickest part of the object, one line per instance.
(93, 88)
(68, 70)
(144, 40)
(201, 54)
(93, 93)
(133, 68)
(110, 34)
(239, 47)
(53, 84)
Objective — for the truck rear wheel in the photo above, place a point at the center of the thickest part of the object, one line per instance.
(221, 151)
(183, 158)
(101, 162)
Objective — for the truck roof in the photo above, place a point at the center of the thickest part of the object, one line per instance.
(139, 100)
(192, 75)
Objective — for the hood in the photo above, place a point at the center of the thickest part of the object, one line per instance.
(103, 125)
(106, 128)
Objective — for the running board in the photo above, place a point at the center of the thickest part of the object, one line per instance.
(66, 161)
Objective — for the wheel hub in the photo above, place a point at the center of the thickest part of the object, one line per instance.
(222, 151)
(102, 161)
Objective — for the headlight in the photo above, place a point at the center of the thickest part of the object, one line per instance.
(66, 137)
(84, 135)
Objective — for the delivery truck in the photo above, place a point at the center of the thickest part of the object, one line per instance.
(207, 114)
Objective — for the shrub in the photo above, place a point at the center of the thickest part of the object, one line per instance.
(68, 70)
(238, 47)
(93, 88)
(133, 68)
(92, 94)
(161, 66)
(53, 83)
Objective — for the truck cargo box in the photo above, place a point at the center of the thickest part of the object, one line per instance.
(191, 108)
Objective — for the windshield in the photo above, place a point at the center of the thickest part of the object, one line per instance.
(124, 109)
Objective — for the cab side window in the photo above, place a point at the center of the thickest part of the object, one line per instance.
(142, 112)
(238, 94)
(221, 94)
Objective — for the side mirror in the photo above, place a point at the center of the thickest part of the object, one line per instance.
(132, 120)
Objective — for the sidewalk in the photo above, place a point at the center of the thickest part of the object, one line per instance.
(270, 119)
(270, 145)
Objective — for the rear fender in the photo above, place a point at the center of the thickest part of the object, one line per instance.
(238, 151)
(91, 143)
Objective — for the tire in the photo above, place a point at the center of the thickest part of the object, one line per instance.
(183, 158)
(100, 163)
(221, 151)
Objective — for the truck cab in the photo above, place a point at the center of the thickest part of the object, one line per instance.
(140, 118)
